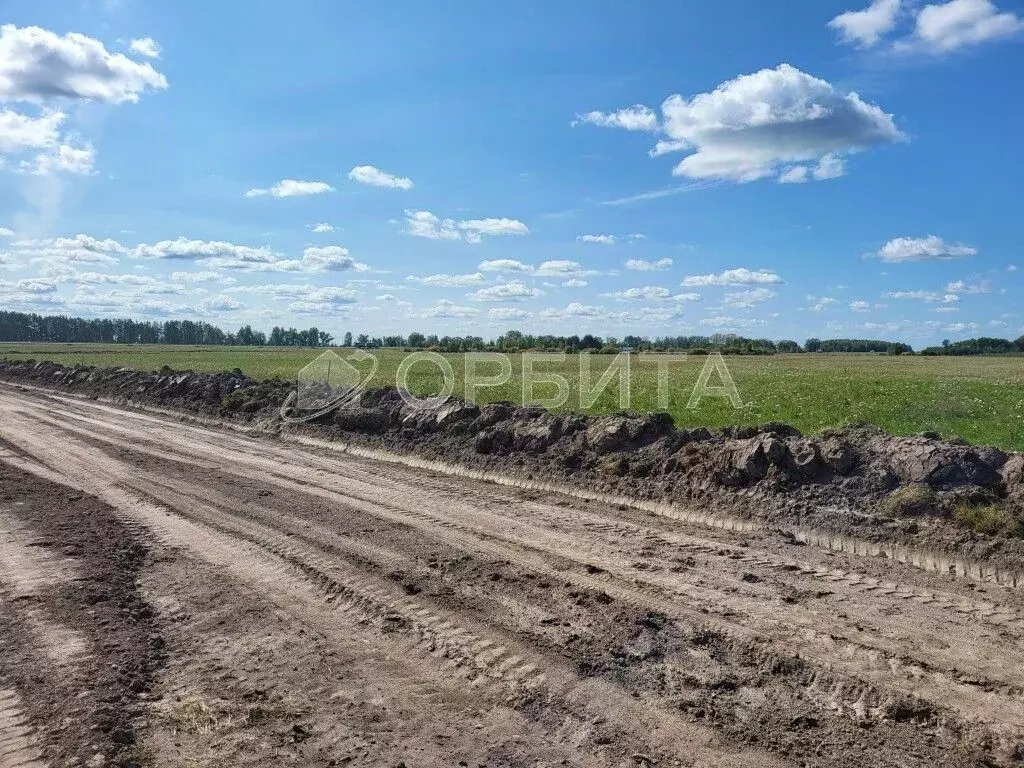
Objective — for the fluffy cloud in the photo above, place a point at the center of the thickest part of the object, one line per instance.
(959, 286)
(648, 292)
(448, 281)
(323, 228)
(740, 276)
(504, 265)
(80, 249)
(330, 258)
(37, 65)
(62, 159)
(763, 124)
(292, 188)
(928, 296)
(868, 26)
(20, 132)
(475, 229)
(513, 291)
(146, 46)
(640, 265)
(426, 224)
(948, 26)
(931, 248)
(575, 309)
(599, 239)
(829, 167)
(748, 299)
(561, 268)
(224, 255)
(375, 177)
(725, 322)
(447, 309)
(575, 283)
(860, 306)
(635, 118)
(507, 313)
(820, 304)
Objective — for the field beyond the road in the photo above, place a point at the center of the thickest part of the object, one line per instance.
(980, 399)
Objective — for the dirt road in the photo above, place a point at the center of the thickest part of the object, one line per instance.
(313, 608)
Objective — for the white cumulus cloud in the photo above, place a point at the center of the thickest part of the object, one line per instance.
(146, 46)
(37, 65)
(635, 118)
(740, 276)
(375, 177)
(866, 27)
(641, 265)
(761, 124)
(512, 291)
(945, 27)
(599, 239)
(428, 225)
(291, 188)
(930, 248)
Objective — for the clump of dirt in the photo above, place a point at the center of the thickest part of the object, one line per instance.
(858, 480)
(90, 709)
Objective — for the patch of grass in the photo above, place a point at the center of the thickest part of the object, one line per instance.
(990, 520)
(915, 500)
(198, 715)
(978, 398)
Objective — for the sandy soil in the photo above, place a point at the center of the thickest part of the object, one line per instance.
(272, 604)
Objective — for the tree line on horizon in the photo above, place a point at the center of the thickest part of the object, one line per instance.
(30, 327)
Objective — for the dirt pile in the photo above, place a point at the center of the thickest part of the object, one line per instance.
(857, 480)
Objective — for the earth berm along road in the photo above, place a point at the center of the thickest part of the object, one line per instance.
(314, 608)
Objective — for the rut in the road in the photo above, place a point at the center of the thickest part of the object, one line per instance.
(739, 621)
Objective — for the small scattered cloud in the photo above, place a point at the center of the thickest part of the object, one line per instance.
(512, 291)
(507, 313)
(740, 276)
(146, 46)
(946, 27)
(748, 299)
(930, 248)
(642, 265)
(598, 239)
(375, 177)
(504, 265)
(962, 287)
(448, 281)
(426, 224)
(575, 283)
(322, 228)
(292, 188)
(635, 118)
(865, 28)
(821, 303)
(448, 309)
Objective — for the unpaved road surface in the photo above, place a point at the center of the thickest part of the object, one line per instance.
(178, 595)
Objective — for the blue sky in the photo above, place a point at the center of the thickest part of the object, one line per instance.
(773, 169)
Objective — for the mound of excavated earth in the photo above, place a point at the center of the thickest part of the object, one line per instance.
(857, 480)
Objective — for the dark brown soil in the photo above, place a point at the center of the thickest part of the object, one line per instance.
(91, 706)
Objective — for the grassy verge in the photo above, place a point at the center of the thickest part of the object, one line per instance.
(980, 399)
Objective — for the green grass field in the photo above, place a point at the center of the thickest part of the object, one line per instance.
(980, 398)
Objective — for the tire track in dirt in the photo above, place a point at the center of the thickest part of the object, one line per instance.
(479, 651)
(19, 747)
(844, 693)
(929, 561)
(864, 668)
